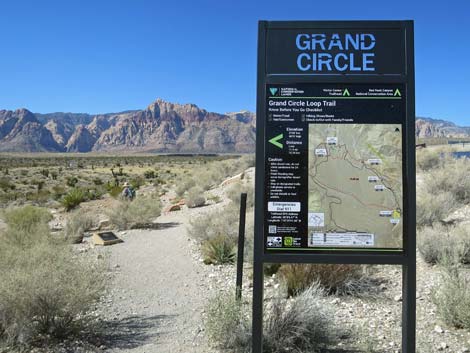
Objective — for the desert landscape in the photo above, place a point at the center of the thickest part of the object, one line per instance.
(170, 285)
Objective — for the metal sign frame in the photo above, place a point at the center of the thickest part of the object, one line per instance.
(407, 259)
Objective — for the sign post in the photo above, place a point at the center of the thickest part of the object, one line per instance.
(335, 151)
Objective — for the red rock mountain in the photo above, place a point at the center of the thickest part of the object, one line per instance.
(161, 127)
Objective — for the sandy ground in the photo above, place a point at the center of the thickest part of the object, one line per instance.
(160, 291)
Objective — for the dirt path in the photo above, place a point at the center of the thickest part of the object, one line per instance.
(159, 291)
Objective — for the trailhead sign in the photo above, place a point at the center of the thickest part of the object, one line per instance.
(335, 152)
(334, 176)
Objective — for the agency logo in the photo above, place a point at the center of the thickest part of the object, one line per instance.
(273, 91)
(288, 241)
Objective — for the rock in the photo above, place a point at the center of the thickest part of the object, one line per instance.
(398, 298)
(442, 346)
(104, 224)
(438, 329)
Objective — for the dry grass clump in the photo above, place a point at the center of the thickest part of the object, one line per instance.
(134, 214)
(303, 324)
(46, 291)
(427, 160)
(452, 296)
(432, 208)
(195, 197)
(342, 279)
(234, 193)
(453, 177)
(77, 224)
(437, 243)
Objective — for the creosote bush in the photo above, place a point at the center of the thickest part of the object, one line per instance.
(46, 291)
(303, 324)
(134, 214)
(341, 279)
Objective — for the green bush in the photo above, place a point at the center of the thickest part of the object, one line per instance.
(195, 197)
(46, 291)
(149, 174)
(73, 198)
(452, 297)
(341, 279)
(26, 225)
(219, 250)
(71, 181)
(304, 324)
(135, 214)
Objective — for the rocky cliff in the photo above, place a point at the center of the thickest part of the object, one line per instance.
(161, 127)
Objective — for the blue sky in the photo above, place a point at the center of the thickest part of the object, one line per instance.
(107, 56)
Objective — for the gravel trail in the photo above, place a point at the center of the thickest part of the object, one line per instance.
(159, 292)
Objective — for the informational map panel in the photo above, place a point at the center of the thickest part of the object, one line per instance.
(334, 167)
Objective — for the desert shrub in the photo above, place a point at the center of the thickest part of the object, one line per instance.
(114, 190)
(342, 279)
(438, 243)
(219, 250)
(195, 197)
(78, 223)
(224, 223)
(97, 181)
(219, 222)
(303, 324)
(227, 324)
(184, 185)
(137, 182)
(26, 218)
(71, 181)
(234, 194)
(6, 185)
(26, 225)
(149, 174)
(452, 297)
(271, 269)
(427, 160)
(432, 208)
(45, 292)
(73, 198)
(134, 214)
(453, 177)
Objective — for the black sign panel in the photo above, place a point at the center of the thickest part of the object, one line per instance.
(334, 179)
(335, 151)
(326, 51)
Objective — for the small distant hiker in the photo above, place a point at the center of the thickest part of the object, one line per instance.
(128, 193)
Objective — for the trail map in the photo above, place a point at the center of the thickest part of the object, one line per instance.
(355, 186)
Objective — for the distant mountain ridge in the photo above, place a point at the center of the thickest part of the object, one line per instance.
(162, 127)
(428, 127)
